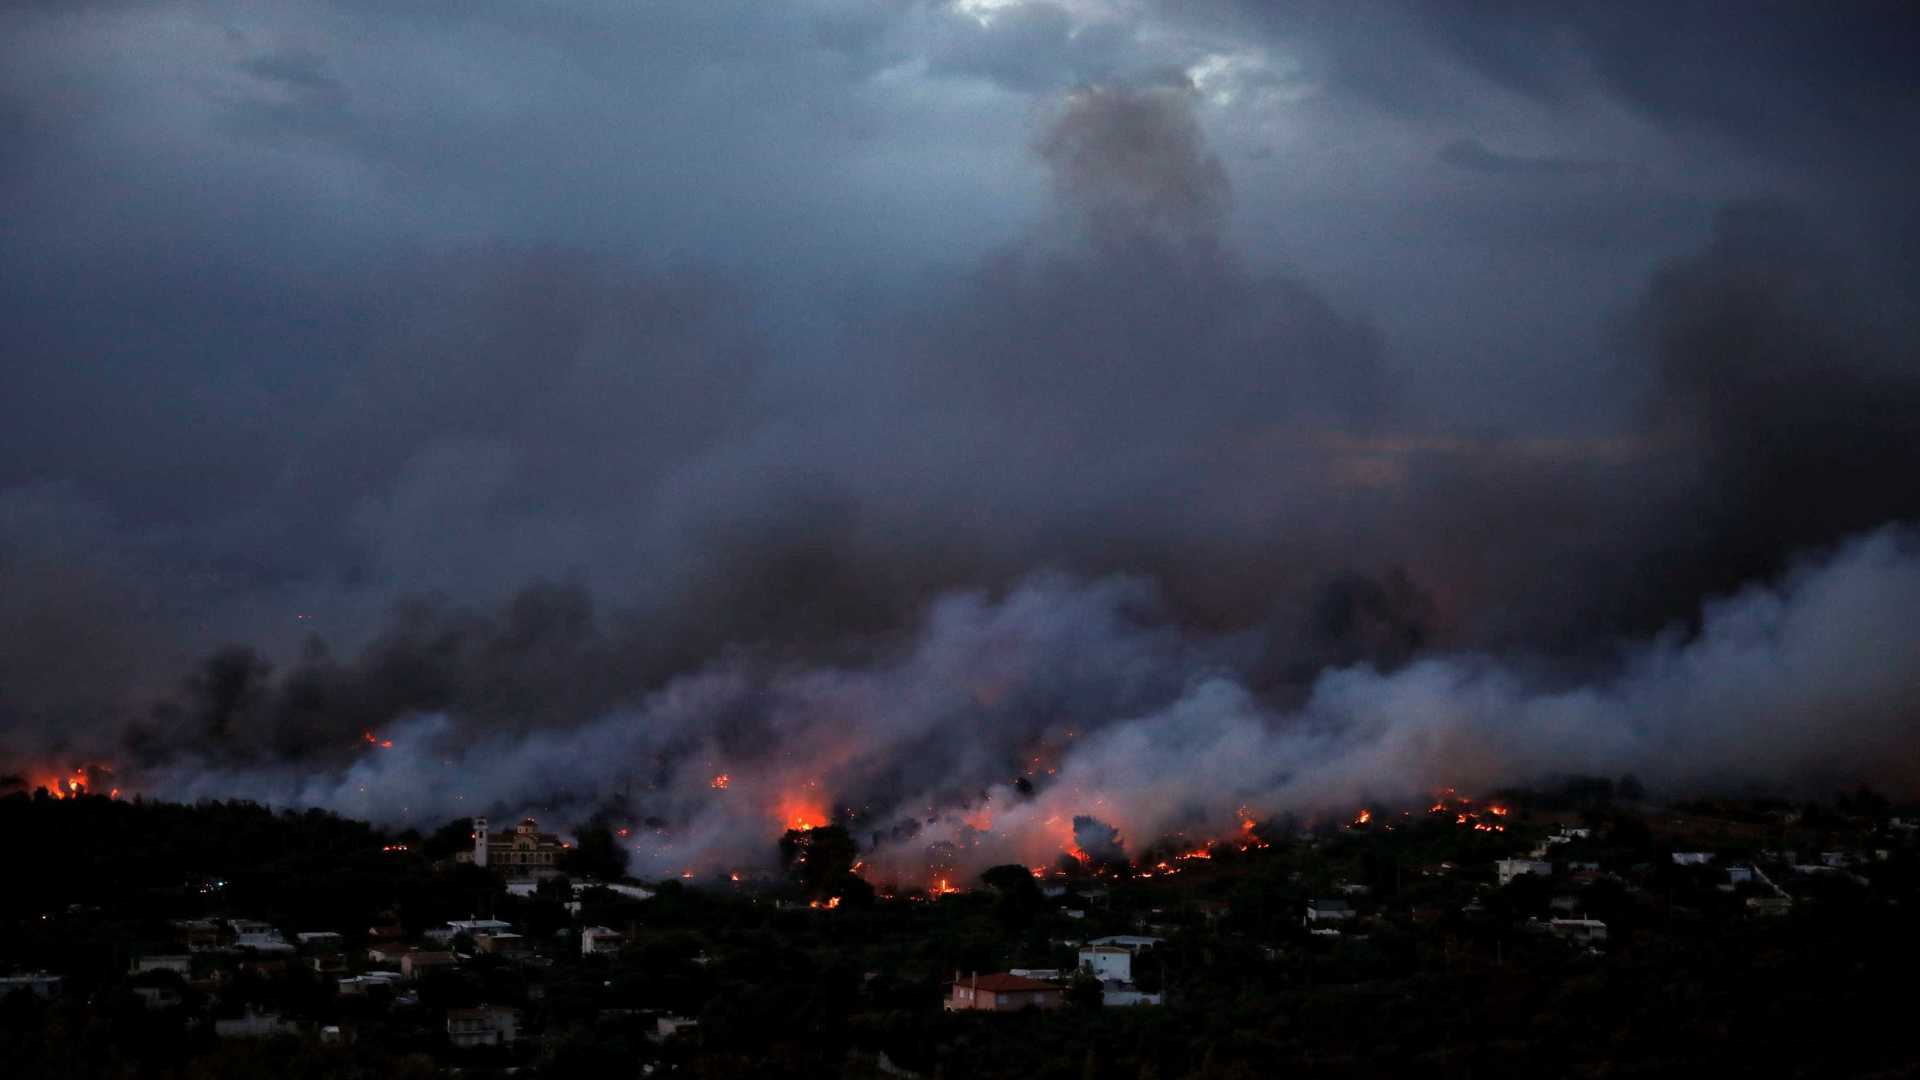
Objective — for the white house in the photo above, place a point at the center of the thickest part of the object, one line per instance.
(600, 939)
(1106, 962)
(1508, 869)
(39, 984)
(258, 936)
(478, 926)
(484, 1026)
(1136, 942)
(178, 964)
(1323, 911)
(1692, 858)
(1043, 974)
(1582, 930)
(254, 1025)
(358, 985)
(157, 997)
(666, 1027)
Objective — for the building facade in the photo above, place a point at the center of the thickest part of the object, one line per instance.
(1002, 993)
(522, 851)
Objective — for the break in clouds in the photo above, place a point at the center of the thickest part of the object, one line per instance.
(1179, 409)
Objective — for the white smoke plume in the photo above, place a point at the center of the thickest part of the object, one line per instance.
(1008, 717)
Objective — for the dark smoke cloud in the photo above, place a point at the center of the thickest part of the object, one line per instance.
(910, 371)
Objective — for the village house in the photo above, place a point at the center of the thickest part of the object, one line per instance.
(358, 985)
(666, 1027)
(1508, 869)
(1002, 993)
(1327, 911)
(1107, 962)
(258, 936)
(154, 995)
(1692, 858)
(1136, 942)
(416, 964)
(200, 935)
(255, 1025)
(484, 1026)
(179, 964)
(1585, 931)
(39, 984)
(513, 946)
(599, 939)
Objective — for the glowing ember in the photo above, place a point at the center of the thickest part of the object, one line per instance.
(943, 887)
(1363, 817)
(719, 783)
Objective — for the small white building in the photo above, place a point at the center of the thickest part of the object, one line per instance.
(478, 926)
(1043, 974)
(1106, 962)
(484, 1026)
(1136, 942)
(179, 964)
(1508, 869)
(39, 984)
(1328, 911)
(358, 985)
(599, 939)
(255, 1025)
(1586, 931)
(417, 964)
(1692, 858)
(157, 997)
(1739, 875)
(666, 1027)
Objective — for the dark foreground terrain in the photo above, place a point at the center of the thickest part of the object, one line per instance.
(1779, 942)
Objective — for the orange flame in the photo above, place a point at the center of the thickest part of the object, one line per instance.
(1363, 817)
(719, 783)
(799, 811)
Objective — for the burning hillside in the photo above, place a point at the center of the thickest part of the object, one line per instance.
(1106, 732)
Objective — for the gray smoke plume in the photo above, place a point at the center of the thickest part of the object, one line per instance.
(1070, 713)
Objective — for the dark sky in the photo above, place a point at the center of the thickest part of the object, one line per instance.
(517, 358)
